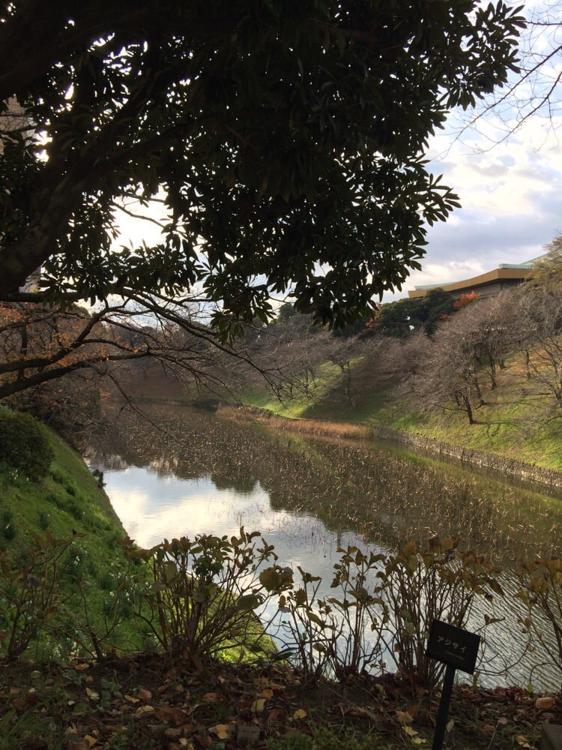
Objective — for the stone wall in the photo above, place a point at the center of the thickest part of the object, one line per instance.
(507, 467)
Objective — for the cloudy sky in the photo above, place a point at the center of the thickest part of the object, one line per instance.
(509, 183)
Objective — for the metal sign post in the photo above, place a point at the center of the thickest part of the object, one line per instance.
(457, 649)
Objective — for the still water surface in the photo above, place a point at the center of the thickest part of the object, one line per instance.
(190, 472)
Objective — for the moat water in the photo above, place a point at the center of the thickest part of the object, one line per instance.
(184, 472)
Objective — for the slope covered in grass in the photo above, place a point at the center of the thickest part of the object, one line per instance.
(70, 505)
(513, 422)
(69, 501)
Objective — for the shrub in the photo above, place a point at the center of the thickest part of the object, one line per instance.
(92, 625)
(541, 590)
(23, 446)
(8, 531)
(338, 635)
(420, 585)
(74, 509)
(30, 593)
(205, 593)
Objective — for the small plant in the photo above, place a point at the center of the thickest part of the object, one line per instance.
(205, 593)
(24, 447)
(420, 585)
(9, 531)
(53, 498)
(74, 509)
(338, 635)
(57, 476)
(8, 528)
(96, 629)
(43, 521)
(30, 593)
(98, 476)
(106, 582)
(541, 590)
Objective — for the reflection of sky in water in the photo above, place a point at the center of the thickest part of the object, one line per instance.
(153, 507)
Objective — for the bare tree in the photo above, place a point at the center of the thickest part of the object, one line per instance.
(40, 343)
(536, 90)
(540, 325)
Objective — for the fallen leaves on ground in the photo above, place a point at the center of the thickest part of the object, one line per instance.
(146, 701)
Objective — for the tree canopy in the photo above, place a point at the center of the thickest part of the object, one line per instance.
(285, 138)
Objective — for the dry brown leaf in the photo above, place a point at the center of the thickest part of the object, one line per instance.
(545, 703)
(92, 695)
(222, 731)
(258, 705)
(144, 695)
(76, 743)
(276, 715)
(144, 711)
(404, 717)
(171, 715)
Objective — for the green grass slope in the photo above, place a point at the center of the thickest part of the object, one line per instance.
(69, 504)
(512, 423)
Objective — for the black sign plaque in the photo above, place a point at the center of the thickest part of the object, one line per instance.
(453, 646)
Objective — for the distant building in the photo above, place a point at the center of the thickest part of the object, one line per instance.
(487, 284)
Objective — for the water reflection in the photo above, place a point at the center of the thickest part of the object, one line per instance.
(384, 495)
(308, 497)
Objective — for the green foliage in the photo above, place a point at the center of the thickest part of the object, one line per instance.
(286, 311)
(89, 525)
(402, 318)
(99, 622)
(24, 448)
(8, 528)
(284, 139)
(352, 329)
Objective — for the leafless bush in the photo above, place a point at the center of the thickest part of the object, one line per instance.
(31, 592)
(422, 585)
(541, 590)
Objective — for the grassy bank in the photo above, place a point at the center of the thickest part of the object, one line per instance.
(68, 504)
(507, 424)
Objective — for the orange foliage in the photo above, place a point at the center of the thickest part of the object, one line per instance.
(465, 299)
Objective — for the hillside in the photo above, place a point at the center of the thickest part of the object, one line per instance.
(507, 423)
(68, 505)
